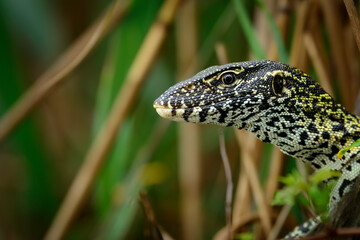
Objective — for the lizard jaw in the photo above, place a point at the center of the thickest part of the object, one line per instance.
(169, 113)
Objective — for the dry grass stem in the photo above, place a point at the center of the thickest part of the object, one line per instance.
(320, 66)
(229, 183)
(239, 219)
(282, 21)
(62, 67)
(189, 160)
(279, 222)
(297, 50)
(334, 27)
(105, 139)
(250, 169)
(238, 227)
(354, 20)
(221, 53)
(276, 166)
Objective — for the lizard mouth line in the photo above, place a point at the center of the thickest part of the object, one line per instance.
(159, 106)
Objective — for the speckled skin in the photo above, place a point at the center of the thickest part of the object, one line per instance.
(279, 104)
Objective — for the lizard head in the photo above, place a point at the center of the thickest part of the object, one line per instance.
(237, 94)
(278, 103)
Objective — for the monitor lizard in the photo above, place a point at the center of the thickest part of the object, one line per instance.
(280, 104)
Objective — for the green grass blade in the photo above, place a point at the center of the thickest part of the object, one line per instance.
(245, 23)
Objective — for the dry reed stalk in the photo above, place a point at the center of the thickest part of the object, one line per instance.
(314, 29)
(354, 20)
(282, 11)
(66, 63)
(333, 23)
(261, 27)
(297, 53)
(352, 55)
(315, 48)
(189, 135)
(220, 50)
(319, 64)
(104, 140)
(245, 220)
(252, 218)
(280, 220)
(249, 164)
(242, 204)
(242, 197)
(276, 166)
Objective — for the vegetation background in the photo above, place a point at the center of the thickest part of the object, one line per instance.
(83, 154)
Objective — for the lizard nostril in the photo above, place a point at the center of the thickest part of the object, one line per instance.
(190, 86)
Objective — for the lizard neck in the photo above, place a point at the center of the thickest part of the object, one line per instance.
(314, 136)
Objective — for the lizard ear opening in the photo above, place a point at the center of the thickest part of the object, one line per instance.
(278, 83)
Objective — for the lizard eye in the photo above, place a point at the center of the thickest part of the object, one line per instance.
(228, 78)
(278, 84)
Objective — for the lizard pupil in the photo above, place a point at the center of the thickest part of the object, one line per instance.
(228, 78)
(277, 84)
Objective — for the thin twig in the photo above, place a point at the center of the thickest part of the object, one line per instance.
(229, 183)
(66, 63)
(123, 103)
(150, 216)
(279, 222)
(223, 59)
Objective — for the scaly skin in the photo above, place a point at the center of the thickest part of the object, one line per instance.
(279, 104)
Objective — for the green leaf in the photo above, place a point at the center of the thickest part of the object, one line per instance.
(244, 236)
(285, 196)
(294, 179)
(342, 152)
(323, 175)
(313, 188)
(320, 198)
